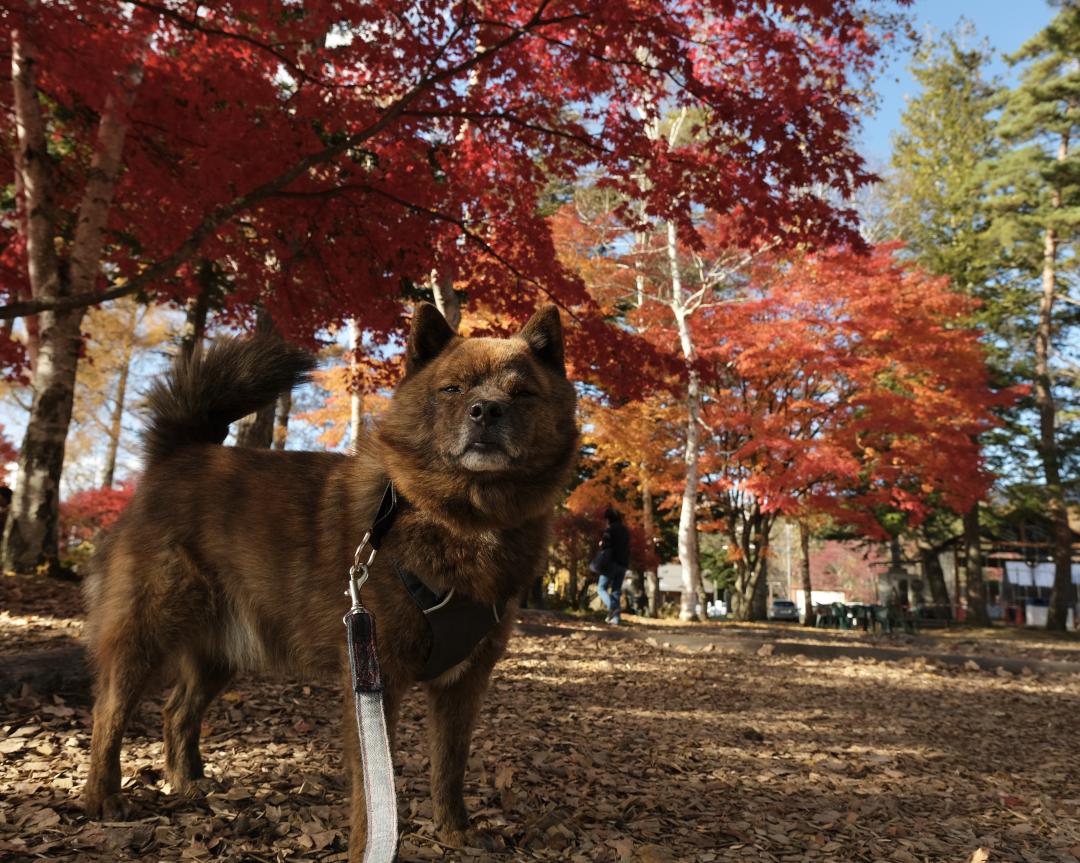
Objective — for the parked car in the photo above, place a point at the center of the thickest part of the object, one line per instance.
(783, 609)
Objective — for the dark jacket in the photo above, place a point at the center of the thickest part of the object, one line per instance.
(617, 538)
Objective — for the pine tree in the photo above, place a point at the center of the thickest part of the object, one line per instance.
(935, 203)
(947, 132)
(1035, 189)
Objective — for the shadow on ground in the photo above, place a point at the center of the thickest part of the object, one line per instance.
(603, 749)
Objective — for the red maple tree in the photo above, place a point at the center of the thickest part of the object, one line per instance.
(836, 384)
(840, 385)
(314, 159)
(334, 150)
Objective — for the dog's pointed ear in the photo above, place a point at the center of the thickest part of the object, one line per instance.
(430, 333)
(544, 334)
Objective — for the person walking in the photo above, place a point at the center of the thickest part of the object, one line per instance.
(615, 554)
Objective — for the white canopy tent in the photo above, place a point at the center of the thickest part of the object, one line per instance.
(1040, 575)
(1022, 574)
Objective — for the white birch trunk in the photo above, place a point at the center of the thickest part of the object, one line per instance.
(33, 170)
(116, 420)
(356, 400)
(692, 587)
(281, 420)
(446, 301)
(31, 534)
(688, 542)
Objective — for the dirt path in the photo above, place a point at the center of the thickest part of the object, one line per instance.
(611, 749)
(1037, 655)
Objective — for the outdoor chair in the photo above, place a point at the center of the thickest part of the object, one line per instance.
(860, 616)
(888, 618)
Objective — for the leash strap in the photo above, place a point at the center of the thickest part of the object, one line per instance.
(380, 797)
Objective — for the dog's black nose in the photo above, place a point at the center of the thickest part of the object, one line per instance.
(486, 412)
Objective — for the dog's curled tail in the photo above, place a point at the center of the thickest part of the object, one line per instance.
(207, 390)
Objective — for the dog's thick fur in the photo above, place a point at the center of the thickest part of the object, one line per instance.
(231, 560)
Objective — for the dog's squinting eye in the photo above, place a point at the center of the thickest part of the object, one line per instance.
(523, 394)
(453, 388)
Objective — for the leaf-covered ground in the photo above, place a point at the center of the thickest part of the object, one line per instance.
(593, 749)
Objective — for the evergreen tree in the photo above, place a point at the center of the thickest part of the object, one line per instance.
(1034, 187)
(934, 203)
(947, 132)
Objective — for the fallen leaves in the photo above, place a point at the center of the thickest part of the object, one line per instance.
(586, 751)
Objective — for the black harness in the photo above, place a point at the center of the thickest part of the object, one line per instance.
(457, 624)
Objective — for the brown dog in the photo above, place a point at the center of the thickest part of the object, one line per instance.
(230, 560)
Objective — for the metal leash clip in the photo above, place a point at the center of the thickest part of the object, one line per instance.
(360, 570)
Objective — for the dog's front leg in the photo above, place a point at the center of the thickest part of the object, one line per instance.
(358, 808)
(453, 707)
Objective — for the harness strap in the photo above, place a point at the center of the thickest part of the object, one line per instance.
(457, 624)
(385, 515)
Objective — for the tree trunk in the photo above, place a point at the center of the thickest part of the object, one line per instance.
(356, 398)
(749, 599)
(572, 572)
(1061, 595)
(759, 599)
(688, 550)
(652, 581)
(198, 309)
(740, 606)
(934, 576)
(30, 536)
(974, 586)
(746, 597)
(256, 431)
(895, 575)
(446, 301)
(581, 601)
(116, 420)
(688, 546)
(31, 532)
(281, 420)
(652, 592)
(809, 617)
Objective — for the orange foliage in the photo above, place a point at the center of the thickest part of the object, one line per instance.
(843, 384)
(848, 385)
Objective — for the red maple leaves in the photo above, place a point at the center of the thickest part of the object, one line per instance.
(325, 155)
(849, 386)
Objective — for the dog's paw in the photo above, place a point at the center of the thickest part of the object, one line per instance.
(106, 807)
(194, 789)
(467, 838)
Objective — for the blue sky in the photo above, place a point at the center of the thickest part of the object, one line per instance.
(1006, 24)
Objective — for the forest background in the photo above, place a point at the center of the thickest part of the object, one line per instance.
(762, 325)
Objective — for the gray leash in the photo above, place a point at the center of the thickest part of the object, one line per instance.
(380, 797)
